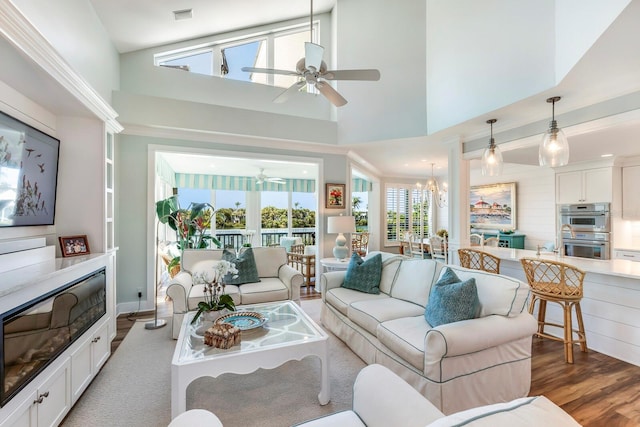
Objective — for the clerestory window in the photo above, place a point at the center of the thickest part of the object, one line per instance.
(279, 49)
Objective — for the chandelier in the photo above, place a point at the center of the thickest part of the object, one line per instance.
(437, 192)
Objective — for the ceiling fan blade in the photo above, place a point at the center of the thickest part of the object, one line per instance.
(287, 93)
(370, 75)
(269, 71)
(276, 180)
(313, 55)
(331, 94)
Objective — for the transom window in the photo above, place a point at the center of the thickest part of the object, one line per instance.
(279, 49)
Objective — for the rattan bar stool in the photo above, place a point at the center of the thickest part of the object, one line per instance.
(479, 260)
(561, 283)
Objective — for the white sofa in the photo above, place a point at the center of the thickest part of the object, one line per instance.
(381, 399)
(457, 365)
(278, 281)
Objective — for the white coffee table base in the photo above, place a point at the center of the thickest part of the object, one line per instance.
(238, 362)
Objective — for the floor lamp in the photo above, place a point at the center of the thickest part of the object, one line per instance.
(156, 323)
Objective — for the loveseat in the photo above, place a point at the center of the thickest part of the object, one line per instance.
(456, 366)
(277, 280)
(381, 398)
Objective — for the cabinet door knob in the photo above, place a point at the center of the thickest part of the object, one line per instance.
(95, 340)
(41, 397)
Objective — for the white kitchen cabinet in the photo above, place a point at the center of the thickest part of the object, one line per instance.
(626, 254)
(88, 358)
(48, 405)
(631, 192)
(585, 186)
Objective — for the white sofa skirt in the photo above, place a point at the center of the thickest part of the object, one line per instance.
(471, 384)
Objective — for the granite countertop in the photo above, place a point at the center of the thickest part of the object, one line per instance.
(613, 267)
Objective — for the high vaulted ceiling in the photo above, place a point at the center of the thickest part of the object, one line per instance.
(601, 74)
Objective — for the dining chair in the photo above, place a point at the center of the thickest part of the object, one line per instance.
(437, 246)
(476, 239)
(360, 243)
(492, 242)
(305, 263)
(478, 260)
(555, 281)
(418, 249)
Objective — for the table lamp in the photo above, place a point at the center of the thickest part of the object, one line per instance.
(341, 224)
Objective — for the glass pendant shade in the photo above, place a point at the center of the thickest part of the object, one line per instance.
(554, 150)
(492, 156)
(492, 161)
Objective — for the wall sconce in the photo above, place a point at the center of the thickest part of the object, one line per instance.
(492, 156)
(554, 149)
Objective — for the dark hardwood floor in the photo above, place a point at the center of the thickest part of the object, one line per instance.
(597, 390)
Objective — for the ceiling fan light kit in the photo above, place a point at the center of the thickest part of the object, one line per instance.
(312, 70)
(554, 148)
(492, 156)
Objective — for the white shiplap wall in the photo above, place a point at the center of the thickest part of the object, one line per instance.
(535, 200)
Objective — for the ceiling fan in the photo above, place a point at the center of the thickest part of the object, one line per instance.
(261, 178)
(313, 70)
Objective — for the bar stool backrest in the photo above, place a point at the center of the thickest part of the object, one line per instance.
(553, 279)
(479, 260)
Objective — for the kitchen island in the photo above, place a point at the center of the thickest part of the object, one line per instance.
(610, 305)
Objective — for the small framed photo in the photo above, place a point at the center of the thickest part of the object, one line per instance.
(74, 245)
(335, 196)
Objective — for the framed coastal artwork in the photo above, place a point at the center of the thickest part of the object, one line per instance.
(493, 206)
(335, 196)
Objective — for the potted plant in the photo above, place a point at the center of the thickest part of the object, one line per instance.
(216, 302)
(191, 225)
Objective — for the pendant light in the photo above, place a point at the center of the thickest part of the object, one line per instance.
(492, 157)
(554, 149)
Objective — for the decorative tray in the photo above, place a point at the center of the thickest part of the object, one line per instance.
(243, 320)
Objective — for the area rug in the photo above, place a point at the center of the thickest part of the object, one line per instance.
(134, 387)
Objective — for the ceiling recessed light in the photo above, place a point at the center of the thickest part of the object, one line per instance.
(182, 14)
(607, 155)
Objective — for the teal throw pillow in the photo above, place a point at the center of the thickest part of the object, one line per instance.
(364, 276)
(245, 264)
(452, 300)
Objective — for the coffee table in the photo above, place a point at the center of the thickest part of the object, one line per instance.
(289, 334)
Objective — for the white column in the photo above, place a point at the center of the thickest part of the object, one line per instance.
(458, 199)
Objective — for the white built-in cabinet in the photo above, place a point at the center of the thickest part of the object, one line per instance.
(49, 403)
(631, 192)
(584, 186)
(88, 358)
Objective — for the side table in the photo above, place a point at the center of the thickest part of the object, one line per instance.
(332, 264)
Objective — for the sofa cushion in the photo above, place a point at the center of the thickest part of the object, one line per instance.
(526, 411)
(406, 337)
(368, 314)
(498, 294)
(414, 279)
(364, 276)
(390, 265)
(245, 264)
(452, 300)
(269, 259)
(267, 290)
(341, 298)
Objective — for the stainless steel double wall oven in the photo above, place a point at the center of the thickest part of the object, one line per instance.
(586, 230)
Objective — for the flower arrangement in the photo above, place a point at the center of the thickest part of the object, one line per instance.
(215, 298)
(335, 197)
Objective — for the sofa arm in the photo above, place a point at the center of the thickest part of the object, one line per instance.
(473, 335)
(381, 398)
(331, 280)
(178, 289)
(292, 279)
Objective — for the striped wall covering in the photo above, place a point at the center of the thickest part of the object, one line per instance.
(241, 183)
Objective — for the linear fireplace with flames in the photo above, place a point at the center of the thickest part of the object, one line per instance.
(36, 332)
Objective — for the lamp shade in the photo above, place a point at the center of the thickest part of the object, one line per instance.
(341, 224)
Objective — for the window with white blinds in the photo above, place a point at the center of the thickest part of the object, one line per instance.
(406, 209)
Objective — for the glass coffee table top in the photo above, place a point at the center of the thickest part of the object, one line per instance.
(286, 324)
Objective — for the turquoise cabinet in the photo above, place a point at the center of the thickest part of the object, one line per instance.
(515, 240)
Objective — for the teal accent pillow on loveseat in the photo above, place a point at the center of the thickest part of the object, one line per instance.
(245, 264)
(364, 276)
(452, 300)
